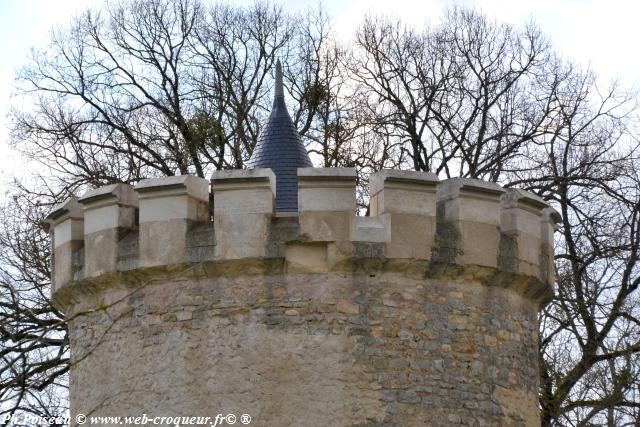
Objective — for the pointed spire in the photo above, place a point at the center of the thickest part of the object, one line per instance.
(280, 148)
(279, 86)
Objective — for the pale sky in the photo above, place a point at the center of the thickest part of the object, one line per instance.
(602, 34)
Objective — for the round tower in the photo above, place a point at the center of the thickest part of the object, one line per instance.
(303, 314)
(424, 313)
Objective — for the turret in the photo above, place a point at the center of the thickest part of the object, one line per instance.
(280, 149)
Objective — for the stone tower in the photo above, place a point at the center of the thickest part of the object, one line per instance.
(424, 313)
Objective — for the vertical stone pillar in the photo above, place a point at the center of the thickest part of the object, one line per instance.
(65, 225)
(548, 225)
(109, 214)
(243, 205)
(327, 208)
(520, 238)
(407, 199)
(169, 207)
(326, 202)
(468, 222)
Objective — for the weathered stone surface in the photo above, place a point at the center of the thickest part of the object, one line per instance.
(407, 201)
(520, 238)
(468, 221)
(370, 228)
(422, 314)
(109, 215)
(407, 192)
(244, 203)
(168, 208)
(65, 225)
(326, 190)
(309, 349)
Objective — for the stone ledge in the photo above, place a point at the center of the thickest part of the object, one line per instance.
(307, 175)
(187, 185)
(68, 209)
(123, 194)
(240, 179)
(420, 181)
(87, 292)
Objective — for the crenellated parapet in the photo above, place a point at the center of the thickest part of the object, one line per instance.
(184, 294)
(414, 219)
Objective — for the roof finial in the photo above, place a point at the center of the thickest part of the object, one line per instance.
(279, 88)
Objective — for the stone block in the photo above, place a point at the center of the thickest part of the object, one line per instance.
(109, 214)
(244, 191)
(370, 228)
(412, 236)
(319, 226)
(409, 199)
(168, 207)
(65, 225)
(520, 243)
(407, 192)
(243, 205)
(326, 205)
(306, 258)
(327, 190)
(468, 221)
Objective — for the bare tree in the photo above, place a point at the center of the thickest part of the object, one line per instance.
(34, 344)
(163, 87)
(135, 90)
(473, 98)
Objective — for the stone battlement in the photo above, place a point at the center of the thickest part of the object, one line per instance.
(414, 218)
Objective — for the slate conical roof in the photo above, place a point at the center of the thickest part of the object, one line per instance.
(280, 148)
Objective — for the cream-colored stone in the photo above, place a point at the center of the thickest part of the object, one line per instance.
(69, 208)
(163, 242)
(306, 257)
(244, 191)
(108, 217)
(238, 202)
(521, 217)
(244, 203)
(173, 198)
(370, 229)
(167, 207)
(479, 243)
(107, 207)
(520, 405)
(393, 341)
(65, 270)
(175, 207)
(101, 252)
(240, 236)
(189, 185)
(322, 226)
(473, 208)
(326, 189)
(407, 192)
(65, 225)
(550, 219)
(109, 212)
(71, 229)
(412, 236)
